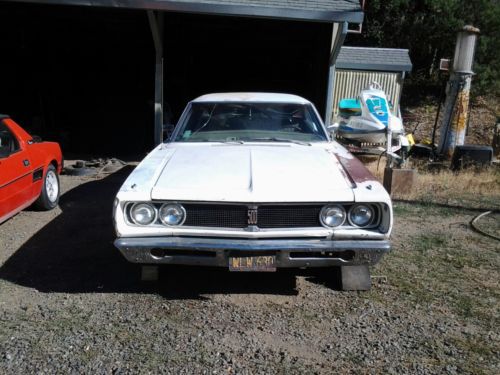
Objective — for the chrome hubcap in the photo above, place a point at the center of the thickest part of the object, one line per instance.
(51, 186)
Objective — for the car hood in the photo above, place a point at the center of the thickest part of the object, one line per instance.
(251, 173)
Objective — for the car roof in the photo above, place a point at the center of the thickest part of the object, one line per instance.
(252, 97)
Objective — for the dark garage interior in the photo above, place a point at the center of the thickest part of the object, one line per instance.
(84, 76)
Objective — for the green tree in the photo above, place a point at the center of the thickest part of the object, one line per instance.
(428, 29)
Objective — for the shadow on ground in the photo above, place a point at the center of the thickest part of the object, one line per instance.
(74, 253)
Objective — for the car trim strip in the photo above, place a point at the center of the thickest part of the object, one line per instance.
(15, 180)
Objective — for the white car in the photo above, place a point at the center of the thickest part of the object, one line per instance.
(253, 182)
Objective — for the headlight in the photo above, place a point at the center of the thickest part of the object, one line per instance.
(143, 213)
(332, 216)
(361, 215)
(172, 214)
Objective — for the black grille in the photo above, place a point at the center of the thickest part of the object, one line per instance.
(236, 216)
(218, 216)
(288, 216)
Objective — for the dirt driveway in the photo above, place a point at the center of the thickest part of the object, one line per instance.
(69, 302)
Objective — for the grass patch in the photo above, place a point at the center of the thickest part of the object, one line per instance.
(464, 305)
(412, 209)
(490, 224)
(458, 261)
(469, 188)
(454, 274)
(401, 209)
(415, 290)
(426, 242)
(477, 350)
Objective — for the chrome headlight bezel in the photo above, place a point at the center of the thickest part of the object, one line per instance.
(371, 220)
(134, 220)
(177, 206)
(323, 211)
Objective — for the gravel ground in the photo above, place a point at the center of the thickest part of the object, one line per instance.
(69, 302)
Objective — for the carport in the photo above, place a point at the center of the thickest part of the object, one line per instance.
(104, 76)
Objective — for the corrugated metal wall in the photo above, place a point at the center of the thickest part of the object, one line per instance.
(348, 84)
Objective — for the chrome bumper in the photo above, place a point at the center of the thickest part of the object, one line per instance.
(216, 252)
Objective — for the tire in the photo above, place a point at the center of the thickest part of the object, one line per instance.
(51, 190)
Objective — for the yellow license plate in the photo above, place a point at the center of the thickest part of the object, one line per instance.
(253, 264)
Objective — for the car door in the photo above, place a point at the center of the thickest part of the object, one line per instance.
(16, 178)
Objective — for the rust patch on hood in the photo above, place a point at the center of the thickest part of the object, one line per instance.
(355, 169)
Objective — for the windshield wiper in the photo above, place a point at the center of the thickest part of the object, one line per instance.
(284, 140)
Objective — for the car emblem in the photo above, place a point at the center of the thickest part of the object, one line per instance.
(252, 217)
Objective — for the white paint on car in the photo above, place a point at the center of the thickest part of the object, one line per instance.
(249, 172)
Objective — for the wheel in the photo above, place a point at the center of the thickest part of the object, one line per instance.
(355, 277)
(49, 196)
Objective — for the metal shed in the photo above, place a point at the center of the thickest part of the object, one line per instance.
(356, 67)
(77, 66)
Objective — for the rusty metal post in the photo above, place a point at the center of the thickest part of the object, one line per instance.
(456, 111)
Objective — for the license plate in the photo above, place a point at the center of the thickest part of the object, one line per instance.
(253, 264)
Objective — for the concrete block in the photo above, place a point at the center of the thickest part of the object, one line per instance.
(356, 277)
(399, 181)
(150, 273)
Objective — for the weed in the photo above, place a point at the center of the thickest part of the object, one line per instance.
(403, 210)
(425, 242)
(476, 345)
(464, 305)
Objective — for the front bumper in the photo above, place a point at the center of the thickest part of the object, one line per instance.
(216, 252)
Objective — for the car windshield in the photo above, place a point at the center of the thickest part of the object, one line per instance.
(241, 122)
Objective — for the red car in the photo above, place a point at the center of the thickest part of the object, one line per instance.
(29, 170)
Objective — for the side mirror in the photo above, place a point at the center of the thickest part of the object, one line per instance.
(168, 130)
(4, 152)
(332, 129)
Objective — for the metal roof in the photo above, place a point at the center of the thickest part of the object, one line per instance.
(378, 59)
(307, 10)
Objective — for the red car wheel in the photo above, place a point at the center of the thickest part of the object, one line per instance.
(49, 196)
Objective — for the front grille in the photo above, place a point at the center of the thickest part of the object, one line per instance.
(288, 216)
(218, 216)
(237, 216)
